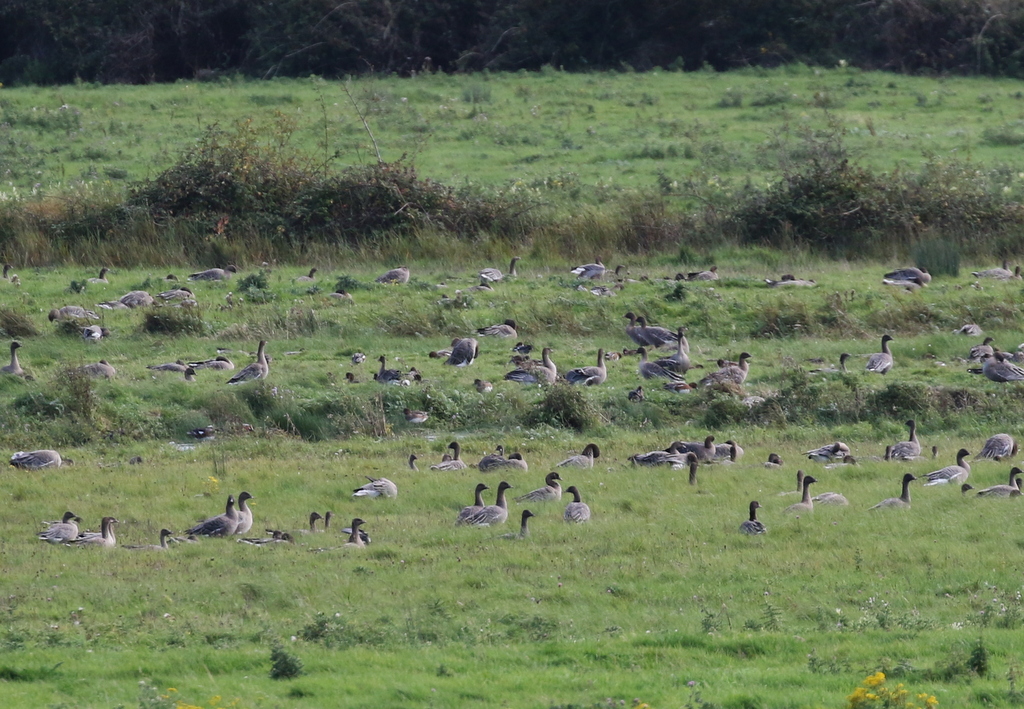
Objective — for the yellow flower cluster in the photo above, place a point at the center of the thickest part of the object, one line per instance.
(874, 693)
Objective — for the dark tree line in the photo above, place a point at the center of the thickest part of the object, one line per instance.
(137, 41)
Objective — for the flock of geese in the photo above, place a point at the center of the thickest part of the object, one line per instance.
(670, 370)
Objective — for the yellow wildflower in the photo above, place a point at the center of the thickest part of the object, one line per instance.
(875, 679)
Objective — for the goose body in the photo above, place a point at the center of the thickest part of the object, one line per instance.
(1012, 489)
(505, 329)
(162, 546)
(464, 351)
(735, 373)
(680, 361)
(214, 274)
(909, 274)
(492, 514)
(385, 375)
(909, 449)
(176, 294)
(881, 362)
(997, 369)
(999, 446)
(589, 270)
(61, 532)
(806, 504)
(136, 299)
(753, 525)
(671, 457)
(470, 510)
(493, 274)
(244, 514)
(223, 525)
(774, 461)
(552, 490)
(72, 312)
(978, 352)
(829, 452)
(577, 510)
(395, 275)
(590, 376)
(633, 330)
(830, 498)
(544, 373)
(655, 336)
(377, 487)
(730, 450)
(651, 370)
(705, 451)
(455, 463)
(37, 460)
(901, 502)
(104, 538)
(14, 368)
(307, 278)
(94, 333)
(1002, 274)
(257, 370)
(102, 278)
(709, 275)
(178, 367)
(355, 536)
(219, 362)
(951, 473)
(584, 459)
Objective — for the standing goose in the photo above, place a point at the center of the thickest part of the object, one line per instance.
(470, 510)
(546, 372)
(524, 531)
(377, 487)
(63, 531)
(395, 275)
(736, 373)
(244, 514)
(577, 510)
(705, 451)
(996, 368)
(37, 460)
(105, 538)
(98, 369)
(591, 376)
(309, 278)
(492, 514)
(650, 370)
(806, 504)
(162, 546)
(799, 485)
(223, 525)
(493, 274)
(584, 459)
(589, 270)
(901, 502)
(655, 336)
(633, 331)
(753, 525)
(456, 462)
(680, 361)
(257, 370)
(72, 312)
(881, 362)
(385, 375)
(909, 449)
(102, 278)
(999, 446)
(1010, 490)
(14, 367)
(951, 473)
(214, 274)
(355, 537)
(464, 351)
(505, 329)
(552, 490)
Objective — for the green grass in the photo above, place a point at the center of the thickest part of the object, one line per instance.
(658, 590)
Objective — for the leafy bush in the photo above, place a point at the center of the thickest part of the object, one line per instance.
(173, 321)
(564, 406)
(283, 664)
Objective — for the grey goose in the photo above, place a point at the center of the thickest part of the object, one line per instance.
(37, 460)
(223, 525)
(464, 351)
(377, 487)
(505, 329)
(590, 376)
(999, 446)
(655, 336)
(72, 312)
(680, 361)
(710, 274)
(577, 510)
(478, 504)
(491, 514)
(901, 502)
(706, 451)
(385, 375)
(735, 373)
(551, 491)
(214, 274)
(806, 504)
(102, 278)
(908, 449)
(455, 463)
(395, 275)
(219, 362)
(104, 538)
(827, 453)
(651, 370)
(177, 366)
(753, 525)
(307, 278)
(979, 351)
(997, 369)
(951, 473)
(589, 270)
(162, 546)
(545, 373)
(584, 460)
(1012, 489)
(257, 370)
(910, 273)
(881, 362)
(524, 530)
(63, 531)
(493, 274)
(14, 368)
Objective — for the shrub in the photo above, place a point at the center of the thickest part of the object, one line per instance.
(564, 406)
(283, 664)
(173, 321)
(255, 288)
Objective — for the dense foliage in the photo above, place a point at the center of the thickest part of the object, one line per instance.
(158, 40)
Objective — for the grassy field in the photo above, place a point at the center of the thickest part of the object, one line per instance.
(657, 599)
(559, 135)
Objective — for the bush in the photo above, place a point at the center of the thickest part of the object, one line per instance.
(14, 324)
(173, 321)
(284, 665)
(564, 406)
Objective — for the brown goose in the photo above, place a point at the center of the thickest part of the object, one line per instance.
(655, 336)
(257, 370)
(37, 460)
(478, 504)
(799, 485)
(105, 538)
(455, 463)
(395, 275)
(590, 376)
(999, 446)
(307, 279)
(219, 362)
(736, 373)
(709, 275)
(493, 274)
(385, 375)
(355, 538)
(552, 490)
(651, 370)
(545, 373)
(806, 504)
(214, 274)
(1010, 490)
(881, 362)
(633, 331)
(705, 451)
(909, 449)
(901, 502)
(584, 459)
(63, 531)
(178, 367)
(102, 278)
(910, 273)
(72, 312)
(98, 369)
(14, 368)
(979, 351)
(223, 525)
(505, 329)
(492, 514)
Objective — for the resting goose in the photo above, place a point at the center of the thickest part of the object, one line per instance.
(14, 368)
(493, 274)
(1001, 274)
(178, 366)
(219, 362)
(63, 531)
(308, 278)
(901, 502)
(524, 531)
(806, 504)
(999, 446)
(546, 373)
(909, 449)
(736, 373)
(831, 498)
(590, 376)
(102, 278)
(105, 538)
(577, 510)
(99, 369)
(478, 504)
(996, 368)
(680, 361)
(705, 451)
(341, 295)
(881, 362)
(276, 537)
(730, 451)
(377, 487)
(214, 274)
(753, 525)
(978, 352)
(223, 525)
(589, 270)
(464, 351)
(244, 514)
(94, 333)
(257, 370)
(910, 273)
(951, 473)
(176, 294)
(162, 546)
(584, 459)
(455, 463)
(790, 281)
(355, 538)
(799, 485)
(671, 457)
(505, 329)
(37, 460)
(829, 452)
(651, 370)
(395, 275)
(136, 299)
(552, 490)
(1010, 490)
(385, 375)
(72, 312)
(709, 275)
(491, 514)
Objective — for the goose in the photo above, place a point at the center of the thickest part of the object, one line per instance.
(970, 329)
(705, 451)
(694, 464)
(37, 460)
(901, 502)
(591, 376)
(951, 473)
(997, 369)
(415, 416)
(633, 330)
(176, 294)
(377, 487)
(999, 446)
(341, 296)
(412, 462)
(881, 362)
(524, 531)
(826, 453)
(478, 504)
(395, 275)
(671, 457)
(102, 278)
(831, 498)
(636, 395)
(308, 278)
(736, 373)
(257, 370)
(978, 352)
(833, 370)
(505, 329)
(385, 375)
(522, 348)
(72, 312)
(1011, 489)
(655, 336)
(790, 281)
(497, 460)
(546, 372)
(244, 514)
(799, 485)
(14, 367)
(909, 284)
(491, 514)
(680, 361)
(730, 450)
(464, 351)
(214, 274)
(276, 537)
(493, 274)
(105, 538)
(709, 275)
(589, 270)
(483, 386)
(219, 362)
(162, 546)
(112, 305)
(910, 273)
(806, 504)
(908, 449)
(190, 374)
(552, 490)
(94, 333)
(223, 525)
(63, 531)
(355, 538)
(577, 510)
(774, 461)
(753, 525)
(965, 488)
(136, 299)
(584, 459)
(482, 287)
(650, 370)
(177, 366)
(1002, 274)
(98, 369)
(456, 463)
